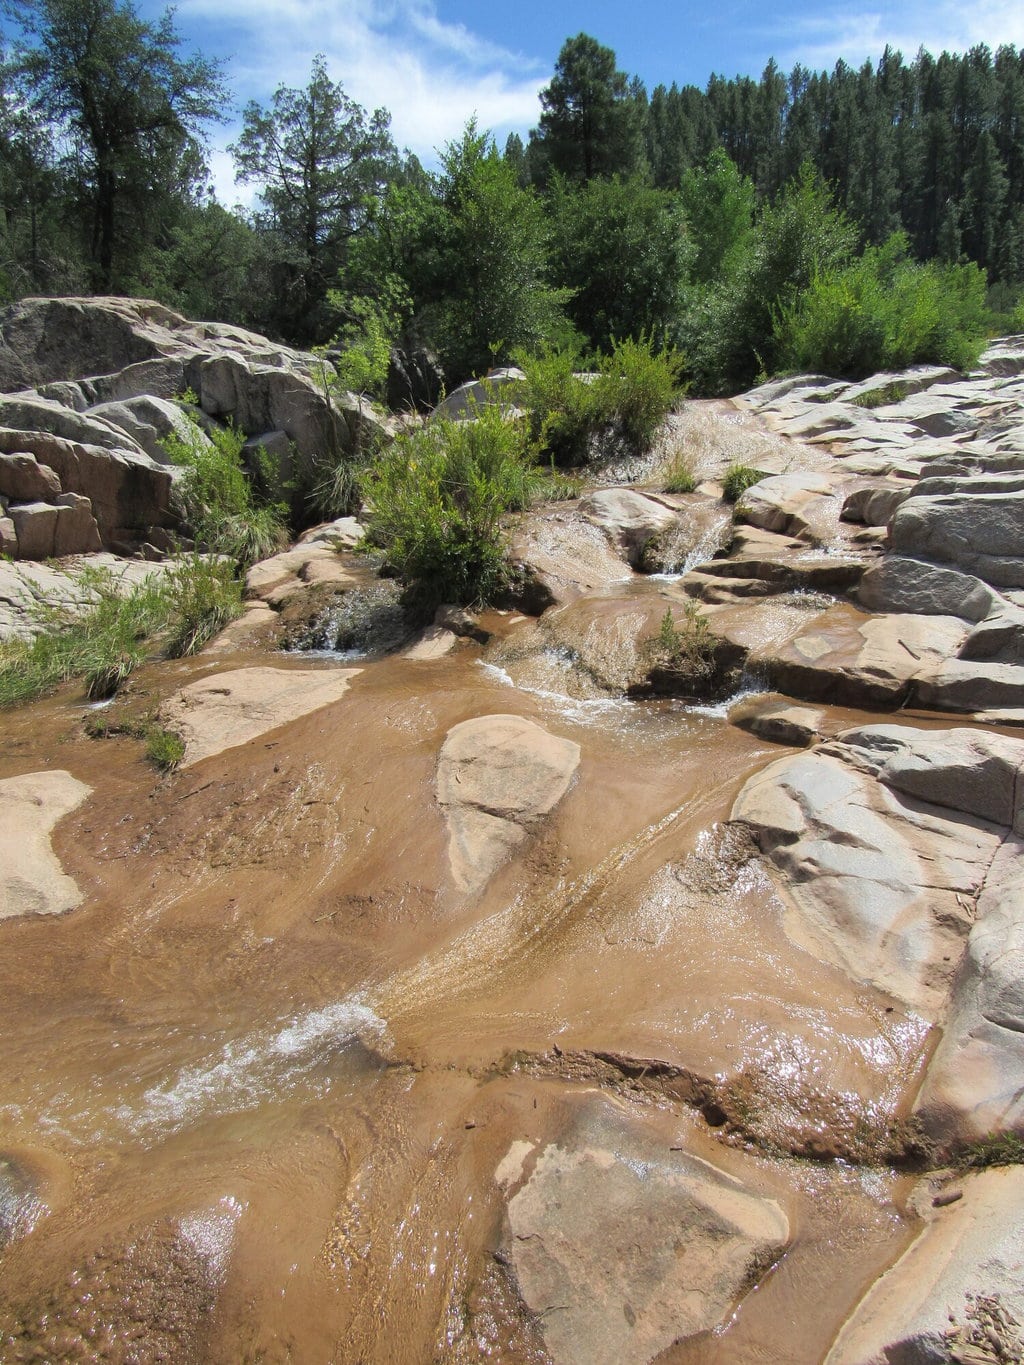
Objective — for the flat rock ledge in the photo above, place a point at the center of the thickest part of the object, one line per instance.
(957, 1294)
(497, 778)
(32, 881)
(620, 1249)
(231, 709)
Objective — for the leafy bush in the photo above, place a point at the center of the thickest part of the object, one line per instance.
(223, 512)
(687, 647)
(437, 498)
(884, 311)
(623, 400)
(738, 478)
(994, 1149)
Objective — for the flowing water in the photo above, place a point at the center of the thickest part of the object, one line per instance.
(254, 1092)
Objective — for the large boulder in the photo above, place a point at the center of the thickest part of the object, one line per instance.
(32, 881)
(884, 839)
(620, 1248)
(629, 519)
(497, 778)
(899, 584)
(980, 533)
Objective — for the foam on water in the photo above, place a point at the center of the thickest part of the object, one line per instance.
(253, 1070)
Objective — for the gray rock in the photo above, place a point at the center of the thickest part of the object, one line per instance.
(629, 519)
(148, 421)
(8, 538)
(24, 479)
(621, 1248)
(982, 534)
(776, 719)
(999, 637)
(899, 584)
(876, 885)
(76, 532)
(874, 506)
(464, 402)
(35, 525)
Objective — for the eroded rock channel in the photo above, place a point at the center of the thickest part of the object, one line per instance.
(498, 998)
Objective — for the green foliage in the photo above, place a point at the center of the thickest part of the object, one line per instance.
(619, 249)
(492, 295)
(103, 644)
(370, 328)
(679, 476)
(685, 646)
(718, 205)
(623, 402)
(164, 748)
(220, 505)
(893, 392)
(437, 500)
(738, 478)
(117, 90)
(994, 1149)
(884, 311)
(729, 328)
(204, 595)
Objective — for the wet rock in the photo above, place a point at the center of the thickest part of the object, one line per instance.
(621, 1248)
(497, 778)
(292, 571)
(563, 556)
(628, 519)
(230, 709)
(433, 642)
(776, 719)
(845, 658)
(958, 1286)
(32, 881)
(804, 506)
(879, 882)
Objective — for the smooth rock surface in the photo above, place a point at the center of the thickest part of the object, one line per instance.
(497, 778)
(933, 1304)
(230, 709)
(32, 881)
(620, 1248)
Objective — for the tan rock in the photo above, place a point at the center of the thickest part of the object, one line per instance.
(621, 1248)
(32, 881)
(959, 1284)
(497, 777)
(230, 709)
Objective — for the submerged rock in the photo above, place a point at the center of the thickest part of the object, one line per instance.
(621, 1249)
(497, 777)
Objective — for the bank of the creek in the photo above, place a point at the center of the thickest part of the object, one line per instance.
(477, 1010)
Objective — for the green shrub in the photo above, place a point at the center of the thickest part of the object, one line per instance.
(737, 479)
(884, 311)
(103, 644)
(205, 595)
(893, 392)
(622, 400)
(687, 647)
(679, 476)
(221, 507)
(165, 749)
(437, 498)
(994, 1149)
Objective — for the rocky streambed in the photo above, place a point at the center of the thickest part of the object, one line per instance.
(489, 994)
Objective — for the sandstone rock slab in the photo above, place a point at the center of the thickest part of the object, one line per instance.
(32, 881)
(621, 1248)
(231, 709)
(498, 776)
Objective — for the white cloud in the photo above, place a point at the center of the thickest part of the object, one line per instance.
(821, 39)
(397, 54)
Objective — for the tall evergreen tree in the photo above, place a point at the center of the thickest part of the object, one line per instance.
(591, 123)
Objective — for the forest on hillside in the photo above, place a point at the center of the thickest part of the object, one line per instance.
(843, 220)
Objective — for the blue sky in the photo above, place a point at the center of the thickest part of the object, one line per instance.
(434, 63)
